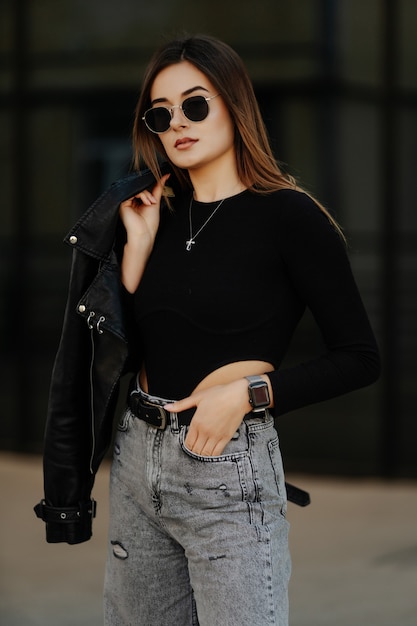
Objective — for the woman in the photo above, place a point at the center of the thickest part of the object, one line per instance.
(213, 288)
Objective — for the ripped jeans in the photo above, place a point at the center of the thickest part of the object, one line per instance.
(197, 541)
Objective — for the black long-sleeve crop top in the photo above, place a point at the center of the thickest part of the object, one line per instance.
(240, 292)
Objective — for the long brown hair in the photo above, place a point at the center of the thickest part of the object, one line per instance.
(256, 165)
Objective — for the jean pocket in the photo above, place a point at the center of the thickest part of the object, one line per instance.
(237, 448)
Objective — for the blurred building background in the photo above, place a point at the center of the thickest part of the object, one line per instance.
(337, 83)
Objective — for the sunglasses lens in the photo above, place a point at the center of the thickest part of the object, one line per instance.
(158, 119)
(195, 108)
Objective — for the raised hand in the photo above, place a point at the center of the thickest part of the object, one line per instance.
(140, 216)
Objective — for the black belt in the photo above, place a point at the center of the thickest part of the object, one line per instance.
(155, 414)
(158, 417)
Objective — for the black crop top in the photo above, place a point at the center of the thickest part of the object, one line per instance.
(240, 292)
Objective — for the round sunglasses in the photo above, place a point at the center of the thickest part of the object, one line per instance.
(195, 108)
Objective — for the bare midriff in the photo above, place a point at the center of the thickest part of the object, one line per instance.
(223, 375)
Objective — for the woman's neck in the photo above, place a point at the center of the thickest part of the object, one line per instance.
(212, 184)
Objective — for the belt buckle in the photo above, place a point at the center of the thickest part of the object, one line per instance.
(162, 414)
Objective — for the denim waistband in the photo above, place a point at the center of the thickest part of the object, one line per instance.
(150, 409)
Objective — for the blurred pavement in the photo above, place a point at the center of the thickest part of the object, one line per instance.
(354, 554)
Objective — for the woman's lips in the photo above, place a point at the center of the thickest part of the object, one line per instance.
(184, 143)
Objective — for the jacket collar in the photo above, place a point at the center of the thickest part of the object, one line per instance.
(94, 232)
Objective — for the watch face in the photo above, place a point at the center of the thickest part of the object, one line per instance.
(260, 395)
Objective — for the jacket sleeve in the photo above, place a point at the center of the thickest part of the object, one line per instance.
(68, 511)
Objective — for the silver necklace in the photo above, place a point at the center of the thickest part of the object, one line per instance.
(191, 241)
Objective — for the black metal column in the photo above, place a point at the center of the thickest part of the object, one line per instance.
(390, 450)
(20, 333)
(328, 102)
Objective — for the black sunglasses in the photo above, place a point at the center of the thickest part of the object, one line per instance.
(195, 108)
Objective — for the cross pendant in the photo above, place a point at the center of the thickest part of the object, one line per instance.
(189, 243)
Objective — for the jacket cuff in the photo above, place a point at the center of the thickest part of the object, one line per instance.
(67, 524)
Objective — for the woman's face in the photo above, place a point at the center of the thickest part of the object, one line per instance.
(193, 145)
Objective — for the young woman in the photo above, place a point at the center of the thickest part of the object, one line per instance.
(200, 301)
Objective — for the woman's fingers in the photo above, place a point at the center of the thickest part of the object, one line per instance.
(147, 196)
(219, 413)
(140, 214)
(155, 196)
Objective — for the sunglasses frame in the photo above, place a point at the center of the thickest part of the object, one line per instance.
(177, 106)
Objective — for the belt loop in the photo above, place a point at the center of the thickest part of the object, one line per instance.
(174, 423)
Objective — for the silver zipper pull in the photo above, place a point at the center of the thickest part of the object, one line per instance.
(89, 318)
(101, 319)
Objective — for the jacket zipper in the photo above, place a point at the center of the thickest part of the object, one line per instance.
(93, 326)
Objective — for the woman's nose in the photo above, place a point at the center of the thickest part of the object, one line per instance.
(178, 118)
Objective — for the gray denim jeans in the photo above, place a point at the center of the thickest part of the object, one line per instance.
(197, 541)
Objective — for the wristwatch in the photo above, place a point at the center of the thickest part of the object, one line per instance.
(258, 393)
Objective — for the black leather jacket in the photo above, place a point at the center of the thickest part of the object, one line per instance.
(94, 351)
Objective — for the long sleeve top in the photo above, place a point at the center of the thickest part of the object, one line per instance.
(240, 292)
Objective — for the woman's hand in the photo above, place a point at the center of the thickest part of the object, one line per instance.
(140, 216)
(220, 411)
